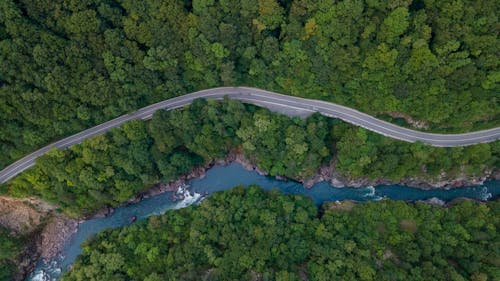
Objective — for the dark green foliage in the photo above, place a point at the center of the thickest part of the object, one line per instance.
(10, 247)
(67, 65)
(361, 153)
(282, 146)
(248, 234)
(110, 169)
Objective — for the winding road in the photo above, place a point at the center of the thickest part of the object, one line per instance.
(289, 105)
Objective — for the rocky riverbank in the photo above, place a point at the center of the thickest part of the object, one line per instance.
(326, 173)
(54, 229)
(199, 172)
(329, 174)
(57, 231)
(347, 205)
(196, 173)
(45, 230)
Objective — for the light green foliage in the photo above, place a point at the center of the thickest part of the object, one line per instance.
(68, 65)
(271, 15)
(361, 153)
(242, 233)
(110, 169)
(395, 24)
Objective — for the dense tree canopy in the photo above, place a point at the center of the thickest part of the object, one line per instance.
(110, 169)
(10, 247)
(66, 65)
(249, 234)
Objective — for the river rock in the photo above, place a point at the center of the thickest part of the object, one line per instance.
(55, 233)
(336, 183)
(434, 201)
(496, 175)
(102, 213)
(344, 205)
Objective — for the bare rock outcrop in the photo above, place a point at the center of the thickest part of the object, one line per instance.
(410, 120)
(23, 216)
(58, 230)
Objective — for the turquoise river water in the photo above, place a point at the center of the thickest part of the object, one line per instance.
(225, 177)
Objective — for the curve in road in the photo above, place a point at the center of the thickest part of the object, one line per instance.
(292, 106)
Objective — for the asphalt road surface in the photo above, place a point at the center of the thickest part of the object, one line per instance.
(291, 106)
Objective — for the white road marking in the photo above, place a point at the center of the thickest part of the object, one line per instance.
(254, 96)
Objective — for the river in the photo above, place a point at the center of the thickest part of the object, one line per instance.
(225, 177)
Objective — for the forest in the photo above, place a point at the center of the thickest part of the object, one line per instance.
(109, 169)
(10, 249)
(250, 234)
(66, 65)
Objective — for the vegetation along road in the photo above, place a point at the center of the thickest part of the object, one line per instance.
(292, 106)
